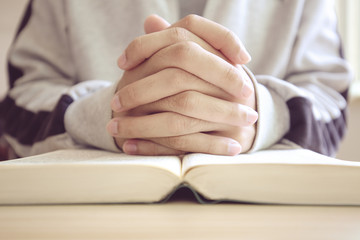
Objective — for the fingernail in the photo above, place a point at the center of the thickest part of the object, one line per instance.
(245, 56)
(122, 61)
(234, 148)
(251, 116)
(115, 104)
(112, 128)
(130, 147)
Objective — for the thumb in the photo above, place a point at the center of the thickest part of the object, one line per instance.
(155, 23)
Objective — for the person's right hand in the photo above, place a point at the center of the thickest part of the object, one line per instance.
(180, 69)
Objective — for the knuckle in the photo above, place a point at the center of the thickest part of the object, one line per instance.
(179, 34)
(212, 147)
(130, 96)
(229, 36)
(233, 39)
(176, 125)
(246, 137)
(177, 143)
(177, 78)
(180, 125)
(231, 75)
(182, 51)
(233, 113)
(186, 101)
(136, 45)
(190, 20)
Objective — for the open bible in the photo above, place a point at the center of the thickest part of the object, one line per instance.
(279, 175)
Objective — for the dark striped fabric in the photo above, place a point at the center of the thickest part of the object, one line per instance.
(29, 127)
(21, 124)
(312, 134)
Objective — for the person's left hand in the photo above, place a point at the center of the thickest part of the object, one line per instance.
(216, 106)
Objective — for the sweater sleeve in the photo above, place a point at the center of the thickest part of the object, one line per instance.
(46, 106)
(307, 107)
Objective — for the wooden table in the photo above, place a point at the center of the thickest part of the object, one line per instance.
(179, 220)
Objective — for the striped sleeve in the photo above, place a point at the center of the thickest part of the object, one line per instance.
(308, 107)
(43, 86)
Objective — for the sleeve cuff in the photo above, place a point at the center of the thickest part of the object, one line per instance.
(87, 117)
(274, 119)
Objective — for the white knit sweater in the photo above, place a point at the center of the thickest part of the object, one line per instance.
(63, 71)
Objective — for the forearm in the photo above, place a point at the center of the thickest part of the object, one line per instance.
(311, 87)
(67, 120)
(43, 85)
(310, 115)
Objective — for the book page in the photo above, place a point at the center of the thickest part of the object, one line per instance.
(92, 156)
(271, 156)
(87, 176)
(292, 176)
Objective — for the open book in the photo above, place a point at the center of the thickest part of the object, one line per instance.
(281, 176)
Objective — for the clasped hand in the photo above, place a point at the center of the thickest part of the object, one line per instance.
(184, 90)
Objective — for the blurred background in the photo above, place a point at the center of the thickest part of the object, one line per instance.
(10, 14)
(349, 28)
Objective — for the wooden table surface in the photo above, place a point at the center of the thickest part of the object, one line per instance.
(179, 220)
